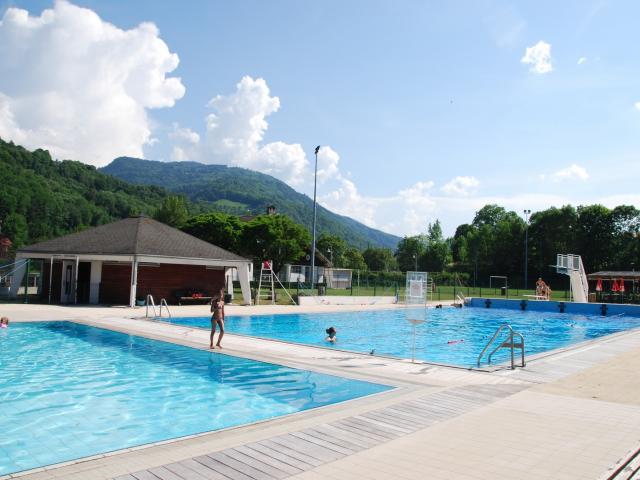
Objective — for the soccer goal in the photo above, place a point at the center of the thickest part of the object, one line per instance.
(499, 281)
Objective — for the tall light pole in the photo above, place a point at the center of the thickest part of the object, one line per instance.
(330, 252)
(313, 243)
(526, 241)
(415, 259)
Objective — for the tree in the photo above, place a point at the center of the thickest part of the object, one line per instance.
(409, 250)
(595, 237)
(334, 248)
(437, 254)
(173, 211)
(379, 259)
(354, 260)
(218, 228)
(276, 238)
(16, 228)
(551, 231)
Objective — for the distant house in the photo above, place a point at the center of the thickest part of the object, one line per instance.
(122, 261)
(271, 210)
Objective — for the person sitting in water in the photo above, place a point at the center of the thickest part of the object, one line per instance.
(331, 335)
(4, 322)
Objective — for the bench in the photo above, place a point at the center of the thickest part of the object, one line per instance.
(537, 297)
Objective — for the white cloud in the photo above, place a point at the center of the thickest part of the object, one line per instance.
(79, 86)
(328, 160)
(572, 172)
(539, 57)
(636, 105)
(236, 128)
(462, 186)
(185, 143)
(582, 60)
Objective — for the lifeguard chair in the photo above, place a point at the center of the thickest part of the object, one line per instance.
(267, 282)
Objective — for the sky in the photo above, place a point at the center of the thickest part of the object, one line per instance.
(423, 110)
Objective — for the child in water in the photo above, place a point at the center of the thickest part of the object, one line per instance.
(331, 335)
(4, 322)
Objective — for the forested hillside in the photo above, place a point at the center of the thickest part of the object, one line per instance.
(41, 198)
(239, 191)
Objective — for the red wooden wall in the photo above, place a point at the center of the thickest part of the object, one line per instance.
(162, 281)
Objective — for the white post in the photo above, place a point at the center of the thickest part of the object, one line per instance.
(75, 281)
(94, 282)
(243, 276)
(134, 282)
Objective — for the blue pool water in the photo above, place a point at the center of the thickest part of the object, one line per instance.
(69, 391)
(449, 335)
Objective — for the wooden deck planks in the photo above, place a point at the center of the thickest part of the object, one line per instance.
(202, 470)
(226, 471)
(282, 456)
(268, 460)
(145, 475)
(277, 454)
(255, 463)
(239, 466)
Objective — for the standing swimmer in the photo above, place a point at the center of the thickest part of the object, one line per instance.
(4, 322)
(217, 308)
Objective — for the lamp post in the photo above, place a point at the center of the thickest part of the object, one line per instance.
(313, 243)
(527, 212)
(415, 259)
(330, 252)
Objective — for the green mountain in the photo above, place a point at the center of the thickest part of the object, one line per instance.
(243, 192)
(41, 198)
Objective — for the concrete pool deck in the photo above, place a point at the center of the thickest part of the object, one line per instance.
(571, 415)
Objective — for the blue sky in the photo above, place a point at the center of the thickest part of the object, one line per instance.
(425, 110)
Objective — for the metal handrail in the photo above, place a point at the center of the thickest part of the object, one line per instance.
(504, 344)
(164, 302)
(150, 301)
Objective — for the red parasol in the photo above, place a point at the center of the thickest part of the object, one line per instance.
(614, 287)
(621, 286)
(599, 285)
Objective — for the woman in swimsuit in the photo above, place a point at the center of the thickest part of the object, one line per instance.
(217, 309)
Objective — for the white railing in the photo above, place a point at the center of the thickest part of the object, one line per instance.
(149, 302)
(164, 302)
(572, 265)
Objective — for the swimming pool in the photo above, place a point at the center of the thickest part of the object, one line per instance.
(449, 335)
(68, 391)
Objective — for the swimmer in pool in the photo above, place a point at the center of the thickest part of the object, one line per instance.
(4, 322)
(331, 335)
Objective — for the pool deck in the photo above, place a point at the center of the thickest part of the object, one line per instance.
(574, 414)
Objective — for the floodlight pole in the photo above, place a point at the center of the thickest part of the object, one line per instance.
(313, 242)
(415, 259)
(527, 212)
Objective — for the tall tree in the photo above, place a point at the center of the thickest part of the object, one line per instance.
(334, 248)
(220, 229)
(437, 252)
(276, 238)
(379, 259)
(173, 211)
(409, 251)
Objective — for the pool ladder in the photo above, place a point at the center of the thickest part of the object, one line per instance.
(151, 303)
(509, 343)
